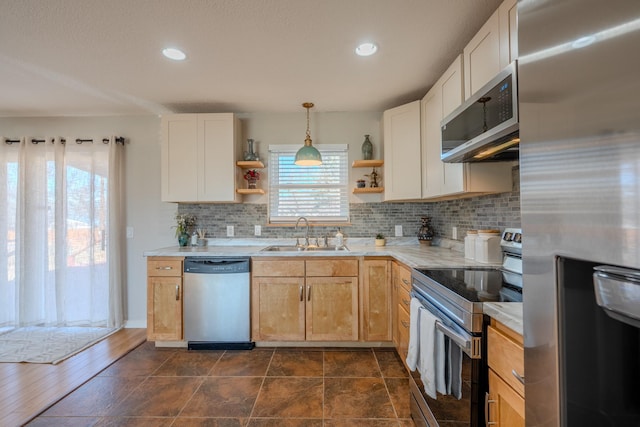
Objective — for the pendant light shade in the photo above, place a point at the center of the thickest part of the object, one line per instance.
(308, 155)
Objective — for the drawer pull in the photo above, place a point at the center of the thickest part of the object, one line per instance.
(487, 401)
(177, 292)
(518, 376)
(164, 268)
(405, 324)
(406, 302)
(405, 282)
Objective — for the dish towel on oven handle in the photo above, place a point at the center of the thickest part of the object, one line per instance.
(413, 351)
(426, 350)
(454, 369)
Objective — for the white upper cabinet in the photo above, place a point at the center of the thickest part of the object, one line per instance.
(440, 178)
(493, 47)
(417, 172)
(450, 96)
(452, 87)
(402, 164)
(482, 56)
(179, 175)
(199, 152)
(508, 12)
(433, 175)
(451, 180)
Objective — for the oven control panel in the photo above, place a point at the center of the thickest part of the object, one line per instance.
(512, 240)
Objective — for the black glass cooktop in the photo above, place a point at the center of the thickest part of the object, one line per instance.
(475, 284)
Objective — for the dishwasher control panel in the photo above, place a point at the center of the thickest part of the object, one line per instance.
(217, 265)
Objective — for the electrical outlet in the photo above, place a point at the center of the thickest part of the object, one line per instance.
(129, 232)
(230, 231)
(454, 233)
(257, 230)
(398, 231)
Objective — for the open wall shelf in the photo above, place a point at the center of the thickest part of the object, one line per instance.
(369, 190)
(253, 164)
(367, 163)
(250, 191)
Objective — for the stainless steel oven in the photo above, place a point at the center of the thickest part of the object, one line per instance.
(425, 410)
(454, 296)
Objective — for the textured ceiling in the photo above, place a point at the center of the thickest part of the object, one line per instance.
(102, 57)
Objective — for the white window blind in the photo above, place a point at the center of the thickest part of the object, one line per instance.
(319, 193)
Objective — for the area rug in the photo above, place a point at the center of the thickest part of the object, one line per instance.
(37, 344)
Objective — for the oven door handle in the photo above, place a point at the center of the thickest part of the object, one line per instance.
(471, 346)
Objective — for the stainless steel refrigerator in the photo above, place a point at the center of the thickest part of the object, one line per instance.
(579, 90)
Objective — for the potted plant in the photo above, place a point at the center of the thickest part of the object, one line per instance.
(183, 223)
(380, 241)
(252, 176)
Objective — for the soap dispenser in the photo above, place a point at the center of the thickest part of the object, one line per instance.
(339, 239)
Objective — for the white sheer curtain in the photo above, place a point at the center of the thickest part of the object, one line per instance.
(64, 266)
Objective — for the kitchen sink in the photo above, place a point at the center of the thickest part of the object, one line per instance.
(278, 248)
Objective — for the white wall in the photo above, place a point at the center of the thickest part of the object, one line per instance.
(326, 128)
(151, 219)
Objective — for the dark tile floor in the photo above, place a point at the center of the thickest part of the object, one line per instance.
(264, 387)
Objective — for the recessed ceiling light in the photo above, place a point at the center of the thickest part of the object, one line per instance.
(173, 53)
(366, 49)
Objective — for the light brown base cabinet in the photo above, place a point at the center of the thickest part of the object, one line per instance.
(376, 300)
(304, 300)
(164, 298)
(278, 309)
(292, 299)
(332, 308)
(402, 302)
(320, 299)
(505, 357)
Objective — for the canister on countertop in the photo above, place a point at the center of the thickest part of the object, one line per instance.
(488, 246)
(470, 244)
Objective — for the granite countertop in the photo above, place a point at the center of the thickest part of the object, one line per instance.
(507, 313)
(408, 252)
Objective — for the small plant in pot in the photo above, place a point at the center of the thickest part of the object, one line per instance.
(380, 240)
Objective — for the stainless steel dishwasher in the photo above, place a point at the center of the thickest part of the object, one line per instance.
(216, 303)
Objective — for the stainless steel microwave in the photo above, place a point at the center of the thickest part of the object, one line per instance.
(485, 127)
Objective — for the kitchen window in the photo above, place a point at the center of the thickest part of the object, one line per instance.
(319, 193)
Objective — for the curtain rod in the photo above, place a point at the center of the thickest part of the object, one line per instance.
(118, 140)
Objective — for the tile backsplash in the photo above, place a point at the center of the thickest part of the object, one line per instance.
(367, 219)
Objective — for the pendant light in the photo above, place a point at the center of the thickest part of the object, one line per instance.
(308, 155)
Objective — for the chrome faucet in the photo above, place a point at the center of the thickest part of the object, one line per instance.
(306, 236)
